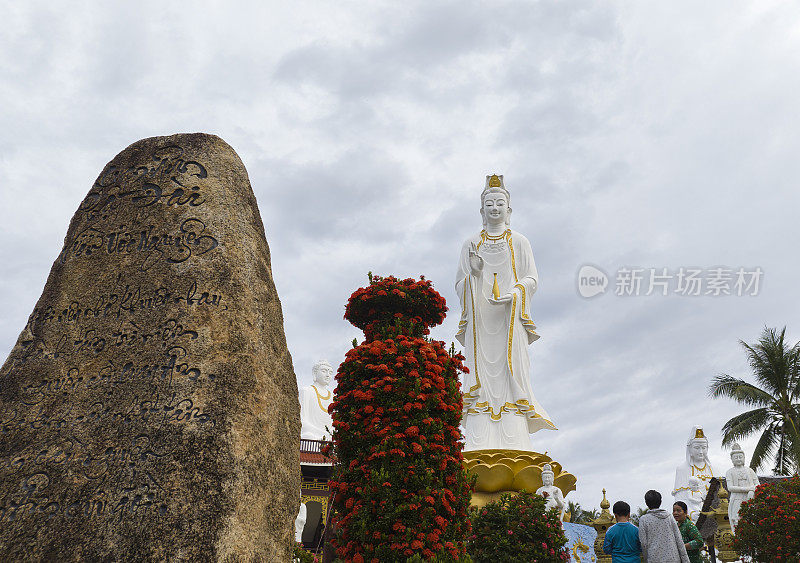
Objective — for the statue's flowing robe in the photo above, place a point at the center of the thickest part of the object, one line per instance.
(555, 499)
(314, 416)
(694, 500)
(300, 522)
(738, 478)
(500, 409)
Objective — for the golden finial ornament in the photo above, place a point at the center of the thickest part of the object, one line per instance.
(604, 504)
(602, 524)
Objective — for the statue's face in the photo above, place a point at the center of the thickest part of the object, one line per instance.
(698, 451)
(495, 208)
(547, 479)
(738, 459)
(323, 374)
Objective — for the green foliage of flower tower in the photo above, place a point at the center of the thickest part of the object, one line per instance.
(400, 487)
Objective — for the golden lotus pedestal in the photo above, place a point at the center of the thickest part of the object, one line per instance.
(509, 471)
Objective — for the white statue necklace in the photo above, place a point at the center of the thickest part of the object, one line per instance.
(320, 398)
(699, 469)
(495, 237)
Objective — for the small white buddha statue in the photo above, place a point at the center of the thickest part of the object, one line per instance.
(550, 492)
(314, 402)
(741, 482)
(300, 523)
(692, 477)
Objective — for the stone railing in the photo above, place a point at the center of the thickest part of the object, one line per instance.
(311, 446)
(311, 452)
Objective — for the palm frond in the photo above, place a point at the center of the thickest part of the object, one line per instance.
(592, 514)
(744, 425)
(791, 451)
(575, 511)
(763, 448)
(774, 363)
(741, 391)
(579, 515)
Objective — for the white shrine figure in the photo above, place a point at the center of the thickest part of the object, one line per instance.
(495, 283)
(552, 494)
(314, 402)
(741, 482)
(300, 523)
(692, 477)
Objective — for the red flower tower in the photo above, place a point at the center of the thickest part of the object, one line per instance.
(400, 487)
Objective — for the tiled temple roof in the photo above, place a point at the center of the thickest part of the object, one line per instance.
(311, 454)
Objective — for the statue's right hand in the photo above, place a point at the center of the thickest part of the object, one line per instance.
(475, 261)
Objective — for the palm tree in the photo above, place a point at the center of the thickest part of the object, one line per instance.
(579, 515)
(589, 515)
(776, 398)
(575, 512)
(635, 516)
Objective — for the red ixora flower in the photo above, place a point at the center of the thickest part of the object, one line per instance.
(398, 400)
(773, 509)
(390, 302)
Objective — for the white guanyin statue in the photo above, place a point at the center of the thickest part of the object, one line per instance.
(552, 494)
(741, 482)
(314, 402)
(692, 477)
(495, 283)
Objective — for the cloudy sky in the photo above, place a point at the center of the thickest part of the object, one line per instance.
(631, 135)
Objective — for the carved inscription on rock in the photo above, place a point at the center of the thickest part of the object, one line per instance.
(151, 387)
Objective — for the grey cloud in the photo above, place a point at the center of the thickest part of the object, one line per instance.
(366, 133)
(313, 202)
(435, 35)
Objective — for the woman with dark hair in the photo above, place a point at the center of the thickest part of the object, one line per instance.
(689, 532)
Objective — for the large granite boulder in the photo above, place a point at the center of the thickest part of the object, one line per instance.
(149, 409)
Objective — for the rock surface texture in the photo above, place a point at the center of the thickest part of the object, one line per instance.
(149, 409)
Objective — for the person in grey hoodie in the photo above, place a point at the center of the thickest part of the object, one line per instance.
(659, 534)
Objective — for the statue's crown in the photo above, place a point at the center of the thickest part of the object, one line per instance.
(494, 181)
(547, 468)
(737, 449)
(696, 434)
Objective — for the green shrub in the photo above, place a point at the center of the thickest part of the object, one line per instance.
(769, 523)
(300, 555)
(517, 528)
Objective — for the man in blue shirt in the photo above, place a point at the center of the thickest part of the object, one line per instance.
(622, 539)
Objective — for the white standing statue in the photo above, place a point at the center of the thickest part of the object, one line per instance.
(314, 402)
(495, 283)
(741, 482)
(550, 492)
(692, 477)
(300, 523)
